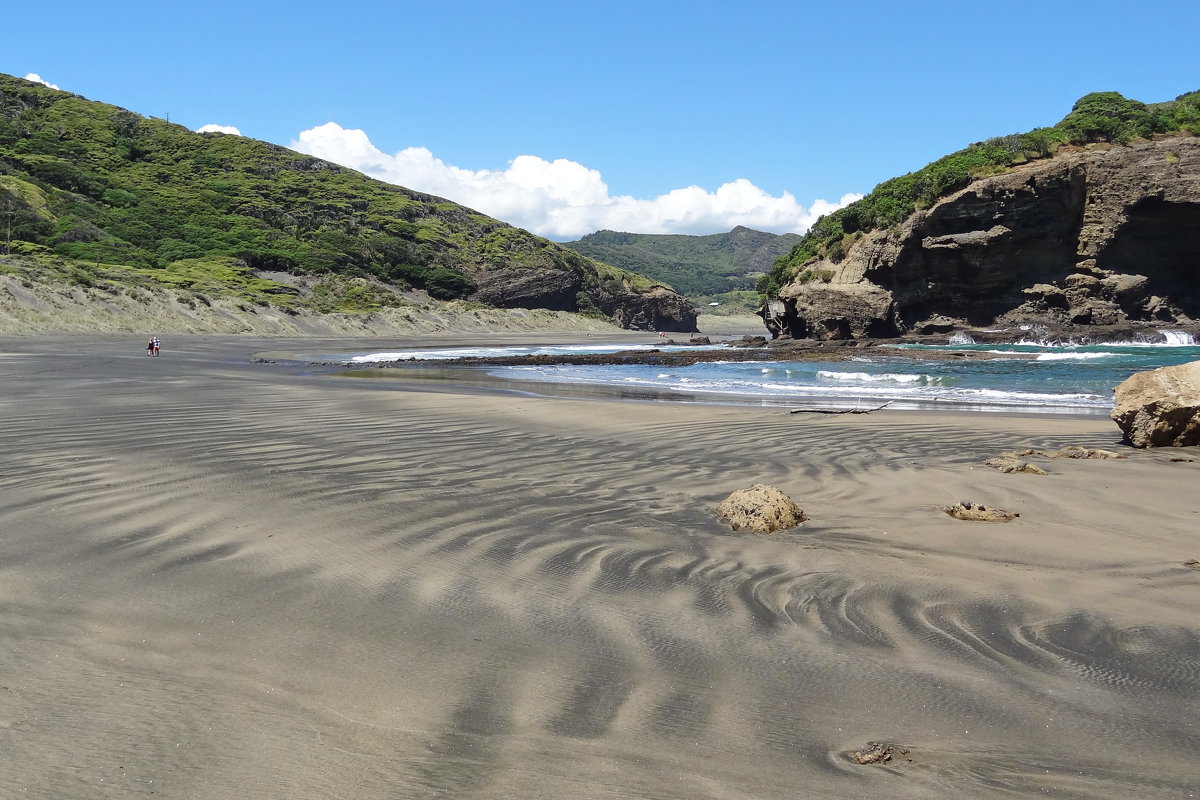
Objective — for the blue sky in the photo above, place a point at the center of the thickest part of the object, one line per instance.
(649, 116)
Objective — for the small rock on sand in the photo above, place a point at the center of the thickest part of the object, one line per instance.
(1015, 462)
(760, 508)
(876, 753)
(1192, 564)
(1008, 462)
(977, 512)
(1072, 451)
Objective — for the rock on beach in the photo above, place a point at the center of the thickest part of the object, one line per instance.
(760, 508)
(1160, 407)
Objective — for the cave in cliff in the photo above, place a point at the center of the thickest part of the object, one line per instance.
(1159, 240)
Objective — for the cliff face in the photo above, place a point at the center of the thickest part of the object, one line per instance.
(645, 308)
(1101, 236)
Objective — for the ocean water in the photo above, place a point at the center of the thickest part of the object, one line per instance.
(1030, 376)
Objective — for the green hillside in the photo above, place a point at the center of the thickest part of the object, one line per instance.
(86, 186)
(1097, 117)
(697, 266)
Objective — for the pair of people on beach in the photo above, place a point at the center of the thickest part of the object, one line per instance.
(152, 346)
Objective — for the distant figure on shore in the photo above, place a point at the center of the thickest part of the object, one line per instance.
(152, 346)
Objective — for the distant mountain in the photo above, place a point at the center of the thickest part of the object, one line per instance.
(697, 266)
(88, 187)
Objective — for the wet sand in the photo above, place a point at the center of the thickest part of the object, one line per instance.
(223, 579)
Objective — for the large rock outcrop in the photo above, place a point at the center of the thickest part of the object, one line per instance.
(1160, 407)
(1095, 236)
(579, 284)
(655, 309)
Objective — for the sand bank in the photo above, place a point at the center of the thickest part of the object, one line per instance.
(221, 579)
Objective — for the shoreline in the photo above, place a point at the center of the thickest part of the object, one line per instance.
(501, 372)
(430, 374)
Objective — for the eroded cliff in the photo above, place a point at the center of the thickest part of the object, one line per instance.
(1102, 235)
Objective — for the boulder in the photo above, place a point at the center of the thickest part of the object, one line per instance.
(1161, 407)
(760, 508)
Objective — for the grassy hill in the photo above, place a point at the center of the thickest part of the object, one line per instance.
(1097, 117)
(697, 266)
(91, 190)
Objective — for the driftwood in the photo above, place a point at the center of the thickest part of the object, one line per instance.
(839, 410)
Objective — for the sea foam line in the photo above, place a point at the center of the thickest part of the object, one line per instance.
(750, 388)
(880, 377)
(1072, 356)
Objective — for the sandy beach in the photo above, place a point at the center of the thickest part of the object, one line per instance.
(224, 579)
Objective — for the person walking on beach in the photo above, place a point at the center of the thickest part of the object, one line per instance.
(152, 346)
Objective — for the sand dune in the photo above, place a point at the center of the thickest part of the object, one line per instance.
(221, 579)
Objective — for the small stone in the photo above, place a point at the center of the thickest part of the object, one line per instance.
(1010, 463)
(875, 753)
(1074, 451)
(977, 512)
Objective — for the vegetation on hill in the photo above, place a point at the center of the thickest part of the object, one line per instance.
(90, 188)
(700, 267)
(1097, 117)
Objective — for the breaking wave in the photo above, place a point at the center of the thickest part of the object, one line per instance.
(884, 377)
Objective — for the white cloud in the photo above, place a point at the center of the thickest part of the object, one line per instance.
(210, 128)
(33, 76)
(563, 199)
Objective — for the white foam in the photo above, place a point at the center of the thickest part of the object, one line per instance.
(905, 391)
(1169, 339)
(962, 338)
(881, 377)
(1071, 356)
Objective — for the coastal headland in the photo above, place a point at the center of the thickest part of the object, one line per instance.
(222, 578)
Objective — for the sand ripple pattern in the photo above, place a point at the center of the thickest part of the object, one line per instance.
(290, 586)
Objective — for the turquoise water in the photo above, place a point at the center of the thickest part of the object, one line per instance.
(1026, 377)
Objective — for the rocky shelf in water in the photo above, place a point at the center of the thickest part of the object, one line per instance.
(782, 350)
(759, 348)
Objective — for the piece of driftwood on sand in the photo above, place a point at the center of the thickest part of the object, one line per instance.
(840, 410)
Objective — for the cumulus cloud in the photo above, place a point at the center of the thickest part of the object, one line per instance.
(563, 199)
(33, 76)
(210, 128)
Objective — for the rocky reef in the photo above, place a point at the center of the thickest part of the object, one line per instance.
(620, 299)
(1097, 236)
